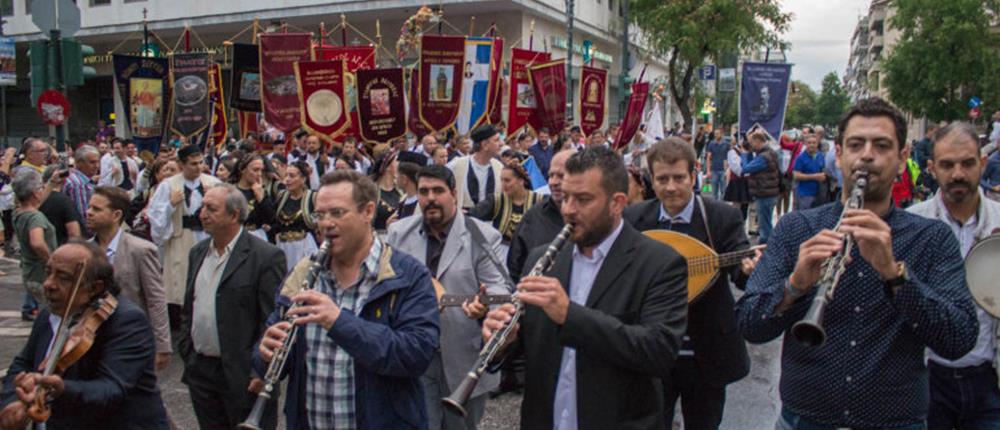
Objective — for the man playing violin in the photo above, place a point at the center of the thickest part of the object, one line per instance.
(112, 385)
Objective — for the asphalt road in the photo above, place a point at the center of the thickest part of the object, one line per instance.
(751, 403)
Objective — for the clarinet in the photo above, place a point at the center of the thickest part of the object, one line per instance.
(319, 262)
(456, 401)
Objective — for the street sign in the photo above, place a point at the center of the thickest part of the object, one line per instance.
(975, 102)
(975, 112)
(43, 14)
(727, 79)
(8, 66)
(707, 72)
(53, 107)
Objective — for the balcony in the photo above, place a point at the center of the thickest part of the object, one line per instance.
(876, 40)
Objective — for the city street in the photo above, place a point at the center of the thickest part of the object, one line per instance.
(751, 404)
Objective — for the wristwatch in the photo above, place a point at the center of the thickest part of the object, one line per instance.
(892, 285)
(791, 291)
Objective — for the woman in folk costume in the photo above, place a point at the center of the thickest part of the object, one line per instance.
(387, 196)
(174, 223)
(506, 208)
(249, 177)
(293, 224)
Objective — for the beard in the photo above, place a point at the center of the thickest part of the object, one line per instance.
(958, 191)
(587, 236)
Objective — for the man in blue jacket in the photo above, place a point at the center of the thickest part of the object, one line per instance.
(368, 327)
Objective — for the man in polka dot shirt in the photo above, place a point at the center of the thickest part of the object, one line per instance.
(903, 290)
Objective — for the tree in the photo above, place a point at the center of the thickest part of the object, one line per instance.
(691, 31)
(832, 102)
(801, 105)
(945, 55)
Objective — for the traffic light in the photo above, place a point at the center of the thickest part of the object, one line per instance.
(39, 56)
(73, 70)
(627, 82)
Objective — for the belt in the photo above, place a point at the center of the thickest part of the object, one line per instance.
(191, 222)
(960, 372)
(291, 236)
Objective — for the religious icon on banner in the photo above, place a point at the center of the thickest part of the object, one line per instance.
(324, 107)
(592, 89)
(525, 96)
(380, 102)
(147, 107)
(250, 86)
(441, 85)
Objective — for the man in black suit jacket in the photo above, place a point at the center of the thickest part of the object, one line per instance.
(231, 282)
(713, 353)
(604, 324)
(113, 385)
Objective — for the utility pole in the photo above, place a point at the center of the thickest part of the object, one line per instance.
(3, 89)
(569, 60)
(626, 58)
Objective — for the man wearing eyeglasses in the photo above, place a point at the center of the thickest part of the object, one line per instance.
(453, 246)
(368, 325)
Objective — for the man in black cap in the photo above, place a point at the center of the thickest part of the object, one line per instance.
(478, 175)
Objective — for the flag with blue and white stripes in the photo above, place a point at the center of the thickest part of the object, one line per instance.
(538, 182)
(473, 105)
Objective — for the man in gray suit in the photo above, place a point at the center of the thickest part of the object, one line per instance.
(440, 237)
(137, 265)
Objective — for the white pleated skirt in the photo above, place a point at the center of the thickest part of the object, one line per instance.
(297, 250)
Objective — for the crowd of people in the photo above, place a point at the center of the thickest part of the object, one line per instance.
(395, 262)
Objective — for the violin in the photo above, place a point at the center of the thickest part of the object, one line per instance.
(71, 343)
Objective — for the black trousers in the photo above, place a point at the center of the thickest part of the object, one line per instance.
(701, 403)
(215, 406)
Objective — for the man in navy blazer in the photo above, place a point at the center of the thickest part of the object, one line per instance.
(113, 385)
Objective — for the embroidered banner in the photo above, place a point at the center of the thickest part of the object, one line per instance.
(381, 104)
(279, 91)
(144, 86)
(412, 118)
(633, 114)
(549, 83)
(440, 84)
(216, 95)
(593, 98)
(321, 97)
(244, 87)
(189, 109)
(356, 58)
(476, 84)
(763, 93)
(522, 107)
(496, 83)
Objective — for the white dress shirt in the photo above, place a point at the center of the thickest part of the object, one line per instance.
(581, 281)
(160, 211)
(109, 164)
(204, 325)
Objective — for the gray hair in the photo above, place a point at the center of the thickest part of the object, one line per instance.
(959, 128)
(81, 153)
(30, 142)
(235, 201)
(26, 182)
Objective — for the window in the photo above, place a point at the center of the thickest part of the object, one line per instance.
(134, 1)
(7, 7)
(99, 3)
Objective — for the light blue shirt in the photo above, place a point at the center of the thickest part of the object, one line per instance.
(682, 218)
(581, 281)
(831, 167)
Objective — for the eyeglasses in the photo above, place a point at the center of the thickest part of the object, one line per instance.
(332, 214)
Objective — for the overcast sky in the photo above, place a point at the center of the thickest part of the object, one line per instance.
(820, 35)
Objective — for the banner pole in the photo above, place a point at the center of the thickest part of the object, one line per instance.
(343, 30)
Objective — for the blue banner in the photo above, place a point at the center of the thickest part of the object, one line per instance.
(8, 68)
(538, 182)
(144, 86)
(763, 93)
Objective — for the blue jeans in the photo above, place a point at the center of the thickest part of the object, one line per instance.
(765, 211)
(966, 398)
(718, 184)
(791, 421)
(29, 305)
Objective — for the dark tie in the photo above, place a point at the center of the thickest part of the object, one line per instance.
(127, 182)
(187, 194)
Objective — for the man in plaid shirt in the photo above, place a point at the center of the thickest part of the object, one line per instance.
(371, 323)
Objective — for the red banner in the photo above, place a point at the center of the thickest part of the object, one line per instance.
(248, 122)
(321, 92)
(279, 92)
(522, 106)
(413, 121)
(496, 83)
(381, 104)
(593, 98)
(356, 58)
(633, 115)
(549, 83)
(440, 85)
(219, 128)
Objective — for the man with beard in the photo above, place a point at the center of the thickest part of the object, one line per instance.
(964, 392)
(453, 247)
(542, 151)
(896, 297)
(604, 324)
(317, 159)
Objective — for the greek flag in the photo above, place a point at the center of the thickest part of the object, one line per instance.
(538, 182)
(475, 83)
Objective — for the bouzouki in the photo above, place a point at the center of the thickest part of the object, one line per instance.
(703, 263)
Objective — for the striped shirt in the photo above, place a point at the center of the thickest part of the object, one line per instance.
(79, 188)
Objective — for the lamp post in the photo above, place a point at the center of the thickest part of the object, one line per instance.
(569, 60)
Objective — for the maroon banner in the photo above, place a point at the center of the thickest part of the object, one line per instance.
(356, 58)
(522, 107)
(496, 83)
(219, 127)
(440, 84)
(381, 104)
(593, 98)
(190, 106)
(412, 99)
(633, 115)
(549, 83)
(321, 97)
(279, 92)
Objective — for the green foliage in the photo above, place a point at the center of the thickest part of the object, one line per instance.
(832, 102)
(691, 31)
(946, 54)
(801, 105)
